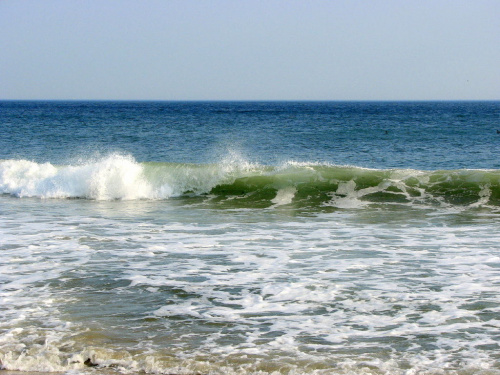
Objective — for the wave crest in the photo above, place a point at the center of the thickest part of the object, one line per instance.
(113, 177)
(120, 177)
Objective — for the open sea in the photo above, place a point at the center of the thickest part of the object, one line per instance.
(250, 237)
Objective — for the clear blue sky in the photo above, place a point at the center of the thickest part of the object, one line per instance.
(250, 50)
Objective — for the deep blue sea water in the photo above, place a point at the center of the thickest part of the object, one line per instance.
(250, 237)
(418, 135)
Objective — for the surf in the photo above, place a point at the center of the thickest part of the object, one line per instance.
(121, 177)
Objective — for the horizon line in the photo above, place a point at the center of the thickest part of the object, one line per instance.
(249, 100)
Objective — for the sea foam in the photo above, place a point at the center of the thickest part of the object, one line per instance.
(234, 179)
(113, 177)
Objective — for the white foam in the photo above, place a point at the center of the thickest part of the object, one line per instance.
(118, 177)
(248, 292)
(284, 196)
(347, 196)
(113, 177)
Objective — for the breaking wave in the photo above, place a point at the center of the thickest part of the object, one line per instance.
(120, 177)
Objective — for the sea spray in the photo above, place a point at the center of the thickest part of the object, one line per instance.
(120, 177)
(112, 177)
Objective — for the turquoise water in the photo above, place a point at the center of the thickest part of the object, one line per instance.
(250, 238)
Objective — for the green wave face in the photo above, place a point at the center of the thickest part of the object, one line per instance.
(246, 185)
(316, 185)
(354, 187)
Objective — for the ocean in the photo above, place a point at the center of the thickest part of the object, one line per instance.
(250, 237)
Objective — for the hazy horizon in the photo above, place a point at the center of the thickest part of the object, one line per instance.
(254, 100)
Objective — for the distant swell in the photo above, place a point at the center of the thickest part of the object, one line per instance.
(119, 177)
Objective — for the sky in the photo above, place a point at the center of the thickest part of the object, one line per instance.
(250, 50)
